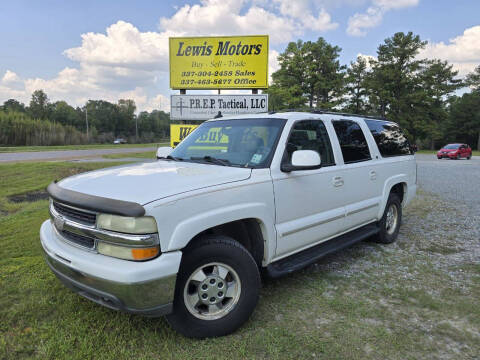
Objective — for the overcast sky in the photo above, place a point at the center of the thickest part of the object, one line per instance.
(112, 49)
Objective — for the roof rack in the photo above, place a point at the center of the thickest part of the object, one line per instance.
(323, 111)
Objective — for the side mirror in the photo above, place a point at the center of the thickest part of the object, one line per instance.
(163, 151)
(303, 160)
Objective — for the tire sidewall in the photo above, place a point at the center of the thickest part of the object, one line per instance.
(383, 235)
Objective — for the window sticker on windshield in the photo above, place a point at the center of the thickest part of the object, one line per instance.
(256, 158)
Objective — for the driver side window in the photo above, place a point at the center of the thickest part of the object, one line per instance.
(310, 135)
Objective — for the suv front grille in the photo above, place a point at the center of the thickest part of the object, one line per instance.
(79, 239)
(75, 214)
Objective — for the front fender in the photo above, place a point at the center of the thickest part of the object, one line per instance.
(188, 228)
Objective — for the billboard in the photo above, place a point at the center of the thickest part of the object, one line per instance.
(226, 62)
(203, 107)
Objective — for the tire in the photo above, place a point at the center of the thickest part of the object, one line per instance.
(469, 157)
(220, 272)
(389, 232)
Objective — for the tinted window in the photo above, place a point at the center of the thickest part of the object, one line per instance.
(310, 135)
(389, 138)
(352, 141)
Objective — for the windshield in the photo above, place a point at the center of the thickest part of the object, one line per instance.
(237, 142)
(452, 146)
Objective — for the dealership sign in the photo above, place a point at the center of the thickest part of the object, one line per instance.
(179, 132)
(227, 62)
(203, 107)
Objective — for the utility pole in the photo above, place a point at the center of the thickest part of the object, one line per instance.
(136, 128)
(86, 119)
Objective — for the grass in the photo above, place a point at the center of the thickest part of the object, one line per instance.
(74, 147)
(367, 302)
(146, 155)
(434, 152)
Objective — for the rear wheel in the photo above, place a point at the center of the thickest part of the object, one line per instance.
(217, 288)
(390, 221)
(469, 157)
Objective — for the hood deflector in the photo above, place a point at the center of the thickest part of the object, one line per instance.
(95, 203)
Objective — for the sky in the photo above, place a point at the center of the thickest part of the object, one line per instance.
(114, 49)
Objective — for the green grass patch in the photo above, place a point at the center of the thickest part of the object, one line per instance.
(368, 302)
(78, 147)
(145, 155)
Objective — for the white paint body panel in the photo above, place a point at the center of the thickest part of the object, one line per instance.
(295, 210)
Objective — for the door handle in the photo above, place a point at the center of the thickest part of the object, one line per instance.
(337, 181)
(373, 175)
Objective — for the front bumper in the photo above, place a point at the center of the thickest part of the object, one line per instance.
(145, 288)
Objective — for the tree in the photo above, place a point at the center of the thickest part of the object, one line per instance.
(38, 108)
(439, 80)
(473, 79)
(310, 73)
(126, 117)
(356, 86)
(396, 83)
(102, 115)
(464, 119)
(65, 114)
(13, 105)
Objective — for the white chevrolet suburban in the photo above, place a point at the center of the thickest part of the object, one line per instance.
(188, 236)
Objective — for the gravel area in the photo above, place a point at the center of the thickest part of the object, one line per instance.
(452, 180)
(423, 282)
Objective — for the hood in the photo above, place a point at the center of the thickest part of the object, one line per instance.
(146, 182)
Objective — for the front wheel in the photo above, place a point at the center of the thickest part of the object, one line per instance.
(390, 222)
(217, 288)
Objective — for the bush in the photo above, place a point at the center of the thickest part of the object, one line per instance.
(17, 129)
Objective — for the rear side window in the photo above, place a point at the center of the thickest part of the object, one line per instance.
(310, 135)
(352, 141)
(389, 138)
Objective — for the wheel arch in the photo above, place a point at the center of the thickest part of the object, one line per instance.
(397, 184)
(250, 225)
(247, 232)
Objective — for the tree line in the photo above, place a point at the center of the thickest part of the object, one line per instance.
(43, 122)
(419, 94)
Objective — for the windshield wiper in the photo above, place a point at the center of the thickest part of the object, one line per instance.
(170, 157)
(213, 160)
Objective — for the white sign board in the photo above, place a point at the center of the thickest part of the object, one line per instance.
(203, 107)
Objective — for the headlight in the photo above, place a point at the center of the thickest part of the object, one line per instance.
(128, 253)
(129, 225)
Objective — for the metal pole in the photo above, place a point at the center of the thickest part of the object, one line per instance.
(136, 128)
(86, 119)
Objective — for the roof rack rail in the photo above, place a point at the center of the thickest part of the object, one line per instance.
(330, 112)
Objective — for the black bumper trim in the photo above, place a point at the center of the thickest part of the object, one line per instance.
(95, 203)
(108, 300)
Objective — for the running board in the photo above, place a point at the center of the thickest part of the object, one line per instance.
(309, 256)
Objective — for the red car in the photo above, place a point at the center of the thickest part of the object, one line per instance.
(455, 151)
